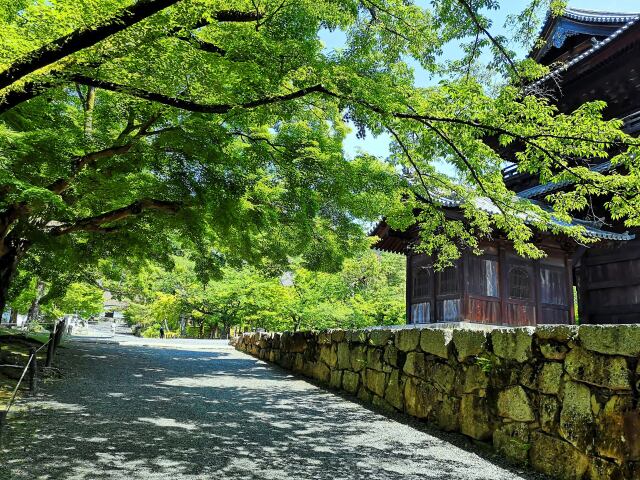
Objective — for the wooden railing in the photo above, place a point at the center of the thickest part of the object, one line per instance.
(31, 367)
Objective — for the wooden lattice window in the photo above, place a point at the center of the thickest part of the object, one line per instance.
(483, 276)
(553, 285)
(448, 281)
(421, 282)
(519, 283)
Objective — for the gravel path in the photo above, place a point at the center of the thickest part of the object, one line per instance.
(202, 410)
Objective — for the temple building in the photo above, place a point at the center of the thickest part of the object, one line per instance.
(594, 56)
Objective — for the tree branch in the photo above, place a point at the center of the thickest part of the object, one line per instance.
(202, 45)
(195, 106)
(97, 222)
(78, 163)
(506, 57)
(80, 39)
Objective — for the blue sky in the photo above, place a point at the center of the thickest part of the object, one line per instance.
(380, 146)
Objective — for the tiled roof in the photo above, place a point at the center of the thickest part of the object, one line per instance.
(632, 20)
(582, 15)
(486, 205)
(545, 188)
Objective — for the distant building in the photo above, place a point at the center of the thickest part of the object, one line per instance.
(595, 55)
(113, 308)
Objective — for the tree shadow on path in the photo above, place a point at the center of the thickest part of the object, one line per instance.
(159, 413)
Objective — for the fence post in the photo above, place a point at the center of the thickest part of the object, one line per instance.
(33, 372)
(51, 346)
(3, 418)
(59, 332)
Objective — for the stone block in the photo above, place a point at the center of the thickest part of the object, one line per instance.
(379, 338)
(436, 341)
(599, 370)
(415, 365)
(576, 417)
(328, 355)
(408, 339)
(611, 339)
(512, 441)
(420, 398)
(274, 356)
(336, 379)
(344, 356)
(474, 417)
(601, 469)
(558, 333)
(381, 404)
(528, 377)
(350, 381)
(469, 343)
(549, 410)
(512, 344)
(552, 351)
(298, 362)
(391, 356)
(394, 391)
(374, 359)
(475, 380)
(375, 381)
(550, 378)
(556, 457)
(442, 376)
(358, 358)
(356, 336)
(337, 336)
(448, 414)
(324, 338)
(298, 342)
(364, 395)
(514, 403)
(616, 435)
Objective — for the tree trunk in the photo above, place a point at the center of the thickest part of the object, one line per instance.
(8, 265)
(34, 309)
(90, 101)
(13, 318)
(183, 325)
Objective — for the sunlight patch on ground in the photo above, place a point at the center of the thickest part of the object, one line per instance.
(169, 423)
(224, 381)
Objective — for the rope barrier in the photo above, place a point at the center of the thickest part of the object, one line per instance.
(15, 390)
(4, 413)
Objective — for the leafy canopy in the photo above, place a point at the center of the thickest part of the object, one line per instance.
(125, 124)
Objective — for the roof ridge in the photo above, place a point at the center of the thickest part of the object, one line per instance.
(589, 52)
(600, 15)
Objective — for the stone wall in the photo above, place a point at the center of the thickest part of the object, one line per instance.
(562, 399)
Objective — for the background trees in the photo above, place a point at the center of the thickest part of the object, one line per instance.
(369, 290)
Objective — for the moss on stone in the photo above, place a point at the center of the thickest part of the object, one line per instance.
(512, 344)
(435, 341)
(469, 343)
(514, 403)
(611, 339)
(596, 369)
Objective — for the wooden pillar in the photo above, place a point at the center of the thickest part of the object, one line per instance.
(502, 282)
(59, 332)
(51, 346)
(33, 372)
(537, 292)
(409, 285)
(568, 264)
(434, 289)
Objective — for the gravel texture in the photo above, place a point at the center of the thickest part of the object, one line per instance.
(193, 410)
